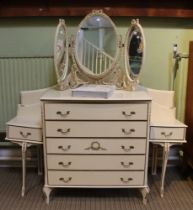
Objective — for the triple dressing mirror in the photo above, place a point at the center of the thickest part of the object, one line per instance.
(97, 51)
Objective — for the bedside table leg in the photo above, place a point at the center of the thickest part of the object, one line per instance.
(154, 160)
(166, 149)
(40, 160)
(24, 148)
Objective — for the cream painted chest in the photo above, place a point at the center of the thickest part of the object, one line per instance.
(96, 142)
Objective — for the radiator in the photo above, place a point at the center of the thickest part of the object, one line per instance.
(18, 74)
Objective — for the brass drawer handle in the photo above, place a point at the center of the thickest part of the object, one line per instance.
(128, 132)
(64, 149)
(65, 165)
(126, 165)
(63, 114)
(25, 135)
(65, 180)
(127, 149)
(95, 145)
(166, 135)
(126, 181)
(63, 132)
(128, 115)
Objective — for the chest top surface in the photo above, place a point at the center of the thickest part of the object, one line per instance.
(118, 95)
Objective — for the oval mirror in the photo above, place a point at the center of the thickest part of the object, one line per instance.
(96, 44)
(134, 50)
(61, 52)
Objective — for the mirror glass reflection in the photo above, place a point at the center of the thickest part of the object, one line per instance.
(135, 51)
(96, 44)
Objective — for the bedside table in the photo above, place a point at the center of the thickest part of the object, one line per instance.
(165, 134)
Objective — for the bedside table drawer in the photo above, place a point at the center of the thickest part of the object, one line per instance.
(24, 133)
(95, 111)
(162, 133)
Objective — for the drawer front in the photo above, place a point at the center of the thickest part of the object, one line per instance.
(95, 111)
(95, 146)
(23, 133)
(94, 178)
(127, 129)
(167, 133)
(96, 162)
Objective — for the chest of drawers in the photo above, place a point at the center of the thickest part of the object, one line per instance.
(96, 142)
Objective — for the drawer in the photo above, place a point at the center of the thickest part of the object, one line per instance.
(95, 111)
(24, 133)
(127, 129)
(96, 162)
(164, 133)
(95, 146)
(95, 178)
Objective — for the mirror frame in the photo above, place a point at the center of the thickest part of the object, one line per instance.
(62, 62)
(118, 74)
(84, 70)
(128, 71)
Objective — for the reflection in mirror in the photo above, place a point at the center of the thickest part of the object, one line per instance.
(96, 44)
(61, 52)
(135, 50)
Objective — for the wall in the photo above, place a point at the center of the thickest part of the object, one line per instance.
(34, 37)
(28, 37)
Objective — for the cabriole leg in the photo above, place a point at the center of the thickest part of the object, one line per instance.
(47, 191)
(144, 192)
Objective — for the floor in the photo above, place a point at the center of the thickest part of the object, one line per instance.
(178, 194)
